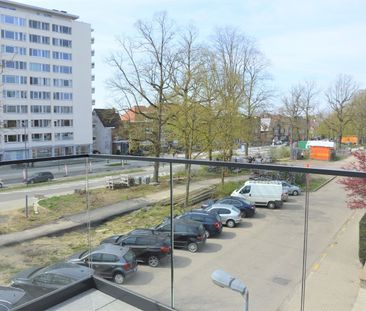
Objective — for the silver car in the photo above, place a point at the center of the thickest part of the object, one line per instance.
(230, 215)
(292, 189)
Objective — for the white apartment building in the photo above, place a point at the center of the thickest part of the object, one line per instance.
(45, 83)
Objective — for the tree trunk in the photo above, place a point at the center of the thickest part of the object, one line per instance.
(246, 149)
(188, 174)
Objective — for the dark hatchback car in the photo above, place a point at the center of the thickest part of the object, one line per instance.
(109, 261)
(187, 233)
(247, 208)
(40, 177)
(39, 281)
(211, 222)
(149, 248)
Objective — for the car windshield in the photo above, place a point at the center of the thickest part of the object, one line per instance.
(236, 209)
(129, 256)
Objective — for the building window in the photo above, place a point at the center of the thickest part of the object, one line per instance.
(13, 35)
(11, 79)
(13, 49)
(12, 20)
(61, 29)
(11, 64)
(39, 39)
(62, 55)
(40, 95)
(62, 96)
(62, 69)
(63, 109)
(61, 42)
(15, 94)
(62, 82)
(39, 67)
(39, 25)
(40, 81)
(15, 109)
(39, 53)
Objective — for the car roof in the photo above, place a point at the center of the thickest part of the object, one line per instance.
(71, 270)
(108, 248)
(220, 205)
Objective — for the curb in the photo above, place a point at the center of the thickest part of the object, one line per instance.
(324, 183)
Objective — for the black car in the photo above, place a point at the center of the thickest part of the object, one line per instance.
(40, 177)
(247, 208)
(187, 233)
(210, 221)
(149, 248)
(42, 280)
(109, 261)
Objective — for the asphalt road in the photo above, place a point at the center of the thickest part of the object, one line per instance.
(265, 252)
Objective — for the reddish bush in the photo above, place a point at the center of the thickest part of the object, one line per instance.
(356, 187)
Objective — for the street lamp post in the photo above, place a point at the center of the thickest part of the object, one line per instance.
(224, 279)
(24, 125)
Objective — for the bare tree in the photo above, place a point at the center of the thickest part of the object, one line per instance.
(143, 73)
(339, 97)
(293, 108)
(310, 92)
(255, 90)
(185, 109)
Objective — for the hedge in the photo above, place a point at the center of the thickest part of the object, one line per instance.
(362, 243)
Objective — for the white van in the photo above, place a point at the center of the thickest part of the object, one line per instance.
(261, 193)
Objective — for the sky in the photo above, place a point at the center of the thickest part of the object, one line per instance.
(312, 40)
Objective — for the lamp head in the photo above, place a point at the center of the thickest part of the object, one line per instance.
(224, 279)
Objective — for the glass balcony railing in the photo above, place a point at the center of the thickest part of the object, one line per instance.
(74, 226)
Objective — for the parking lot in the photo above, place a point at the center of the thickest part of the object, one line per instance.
(265, 252)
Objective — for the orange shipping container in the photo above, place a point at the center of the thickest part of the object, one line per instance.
(320, 153)
(353, 139)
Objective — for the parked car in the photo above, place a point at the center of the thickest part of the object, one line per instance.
(211, 222)
(42, 280)
(10, 297)
(40, 177)
(187, 233)
(148, 248)
(292, 189)
(109, 261)
(246, 207)
(230, 215)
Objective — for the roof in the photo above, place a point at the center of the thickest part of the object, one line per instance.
(108, 117)
(130, 114)
(10, 4)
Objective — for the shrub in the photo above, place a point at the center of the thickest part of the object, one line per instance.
(362, 242)
(280, 152)
(227, 188)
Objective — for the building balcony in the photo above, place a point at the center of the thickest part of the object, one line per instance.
(93, 197)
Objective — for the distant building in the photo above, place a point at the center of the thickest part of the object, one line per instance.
(105, 124)
(45, 81)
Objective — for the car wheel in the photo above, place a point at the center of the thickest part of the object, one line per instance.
(271, 205)
(207, 234)
(230, 223)
(153, 261)
(244, 214)
(295, 192)
(49, 179)
(192, 247)
(118, 278)
(32, 181)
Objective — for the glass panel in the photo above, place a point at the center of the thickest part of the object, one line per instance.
(42, 207)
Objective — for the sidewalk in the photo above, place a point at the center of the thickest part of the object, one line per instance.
(333, 280)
